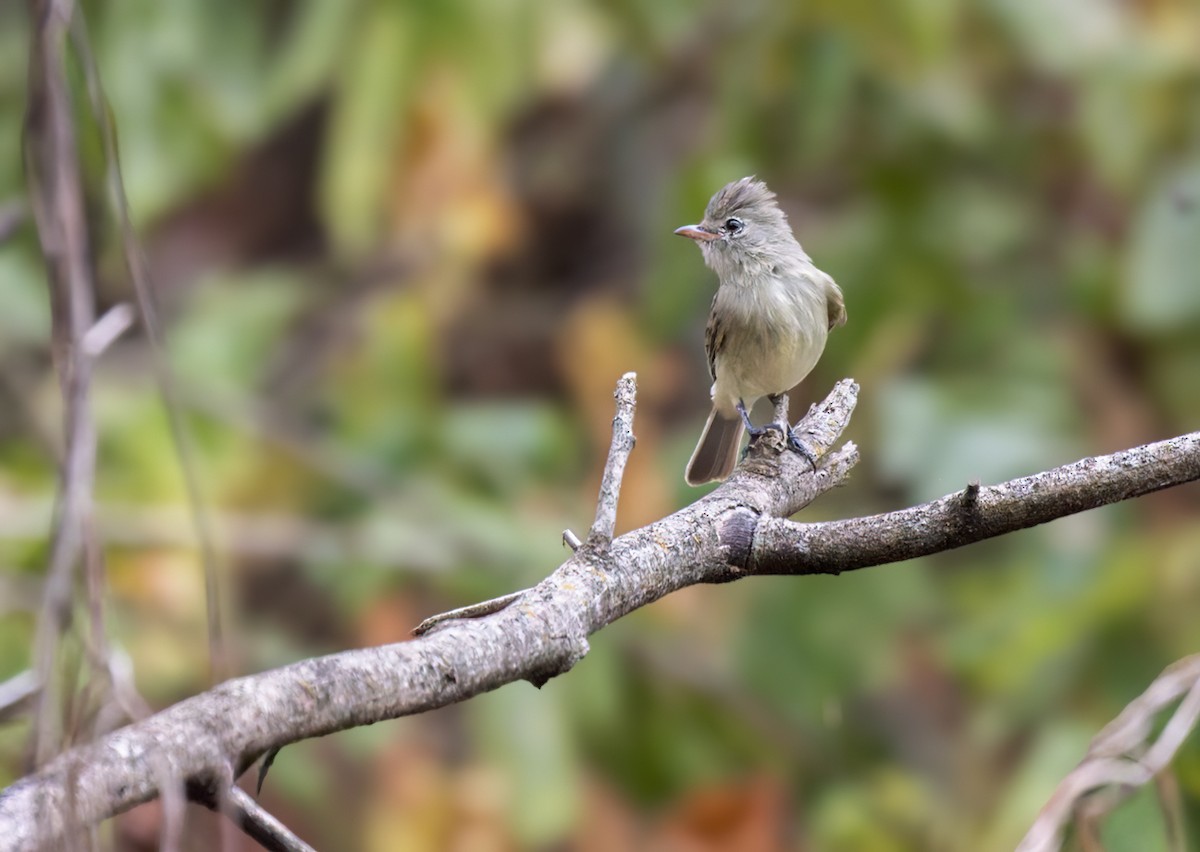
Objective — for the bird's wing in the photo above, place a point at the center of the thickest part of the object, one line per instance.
(835, 304)
(714, 339)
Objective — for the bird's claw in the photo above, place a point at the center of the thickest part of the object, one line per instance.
(790, 435)
(796, 443)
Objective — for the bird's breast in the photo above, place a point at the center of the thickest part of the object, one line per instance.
(773, 331)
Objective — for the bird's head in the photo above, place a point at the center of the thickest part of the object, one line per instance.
(742, 223)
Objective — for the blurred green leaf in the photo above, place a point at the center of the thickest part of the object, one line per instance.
(1056, 750)
(936, 440)
(374, 87)
(1064, 35)
(318, 35)
(26, 315)
(509, 447)
(522, 729)
(231, 327)
(1162, 287)
(1136, 824)
(793, 648)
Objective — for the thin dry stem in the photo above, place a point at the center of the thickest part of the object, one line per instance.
(601, 534)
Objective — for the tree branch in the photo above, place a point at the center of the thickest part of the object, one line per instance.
(971, 515)
(734, 531)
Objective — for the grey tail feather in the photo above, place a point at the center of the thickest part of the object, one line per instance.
(716, 453)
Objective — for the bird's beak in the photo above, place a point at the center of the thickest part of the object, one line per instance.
(697, 233)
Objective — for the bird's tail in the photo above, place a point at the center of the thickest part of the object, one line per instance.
(716, 454)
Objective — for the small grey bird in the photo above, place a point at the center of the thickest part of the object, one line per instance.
(770, 318)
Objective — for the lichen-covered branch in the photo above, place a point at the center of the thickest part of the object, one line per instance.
(971, 515)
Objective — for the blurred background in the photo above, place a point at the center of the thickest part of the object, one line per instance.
(404, 251)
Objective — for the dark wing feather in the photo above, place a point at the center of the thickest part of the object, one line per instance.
(714, 339)
(835, 304)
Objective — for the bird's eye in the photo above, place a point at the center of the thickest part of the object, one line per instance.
(734, 225)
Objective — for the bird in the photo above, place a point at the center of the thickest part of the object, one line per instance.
(770, 319)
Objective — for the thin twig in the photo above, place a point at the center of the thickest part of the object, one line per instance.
(1170, 801)
(1121, 758)
(603, 528)
(16, 694)
(115, 322)
(259, 824)
(475, 610)
(57, 199)
(139, 272)
(1181, 724)
(223, 804)
(174, 807)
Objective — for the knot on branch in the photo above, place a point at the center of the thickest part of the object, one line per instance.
(577, 649)
(735, 533)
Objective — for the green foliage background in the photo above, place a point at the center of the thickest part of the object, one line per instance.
(405, 250)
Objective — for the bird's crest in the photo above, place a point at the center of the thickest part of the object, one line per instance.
(745, 193)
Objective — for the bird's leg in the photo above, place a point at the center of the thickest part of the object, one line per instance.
(757, 431)
(751, 430)
(794, 441)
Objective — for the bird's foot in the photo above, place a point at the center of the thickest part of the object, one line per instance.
(791, 436)
(756, 432)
